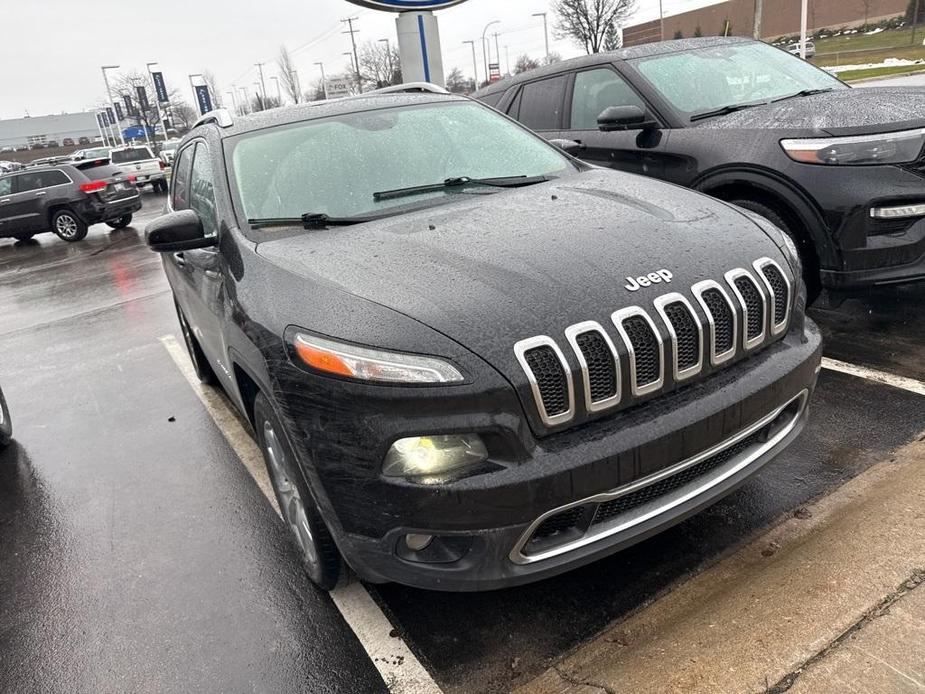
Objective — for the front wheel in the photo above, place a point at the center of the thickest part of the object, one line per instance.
(121, 222)
(68, 226)
(807, 252)
(320, 556)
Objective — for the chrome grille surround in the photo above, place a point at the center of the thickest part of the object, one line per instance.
(571, 334)
(776, 327)
(660, 305)
(731, 277)
(520, 349)
(698, 290)
(618, 317)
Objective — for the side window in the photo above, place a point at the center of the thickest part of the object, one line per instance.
(541, 103)
(596, 90)
(26, 182)
(6, 186)
(53, 178)
(201, 190)
(493, 99)
(179, 189)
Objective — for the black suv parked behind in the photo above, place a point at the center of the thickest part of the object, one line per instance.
(471, 360)
(66, 199)
(841, 170)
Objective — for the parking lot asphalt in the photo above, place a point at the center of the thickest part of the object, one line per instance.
(135, 554)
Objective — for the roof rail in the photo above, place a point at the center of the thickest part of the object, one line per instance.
(220, 116)
(411, 87)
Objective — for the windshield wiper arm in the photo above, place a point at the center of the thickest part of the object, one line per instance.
(460, 182)
(724, 110)
(309, 220)
(805, 92)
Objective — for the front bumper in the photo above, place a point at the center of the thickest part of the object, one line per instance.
(483, 523)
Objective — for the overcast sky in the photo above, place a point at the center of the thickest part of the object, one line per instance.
(52, 50)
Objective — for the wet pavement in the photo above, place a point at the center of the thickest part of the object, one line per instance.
(137, 555)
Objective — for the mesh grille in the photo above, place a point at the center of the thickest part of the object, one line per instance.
(550, 378)
(753, 304)
(645, 348)
(628, 502)
(602, 371)
(688, 334)
(779, 285)
(722, 319)
(570, 518)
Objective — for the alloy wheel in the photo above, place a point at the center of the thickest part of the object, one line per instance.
(66, 226)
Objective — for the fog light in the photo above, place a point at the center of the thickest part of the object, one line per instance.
(898, 212)
(416, 543)
(433, 456)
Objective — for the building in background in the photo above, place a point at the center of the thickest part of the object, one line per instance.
(779, 18)
(40, 130)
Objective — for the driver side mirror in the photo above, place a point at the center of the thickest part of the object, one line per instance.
(568, 146)
(624, 118)
(177, 231)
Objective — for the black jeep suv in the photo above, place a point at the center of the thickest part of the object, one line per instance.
(841, 170)
(66, 199)
(471, 360)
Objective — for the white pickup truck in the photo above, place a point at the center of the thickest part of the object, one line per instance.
(142, 164)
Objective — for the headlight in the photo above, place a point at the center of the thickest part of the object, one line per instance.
(367, 364)
(433, 456)
(885, 148)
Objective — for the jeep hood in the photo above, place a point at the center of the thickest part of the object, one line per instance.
(842, 112)
(493, 269)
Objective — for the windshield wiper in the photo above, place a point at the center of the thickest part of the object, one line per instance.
(460, 182)
(309, 220)
(805, 92)
(724, 110)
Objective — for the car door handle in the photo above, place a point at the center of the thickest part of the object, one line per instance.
(40, 194)
(4, 201)
(179, 259)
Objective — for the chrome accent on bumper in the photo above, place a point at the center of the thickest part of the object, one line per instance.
(665, 503)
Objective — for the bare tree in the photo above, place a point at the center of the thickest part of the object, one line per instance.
(260, 103)
(287, 75)
(380, 64)
(182, 115)
(587, 22)
(316, 92)
(551, 59)
(458, 84)
(209, 78)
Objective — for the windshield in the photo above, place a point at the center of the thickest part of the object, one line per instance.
(121, 156)
(334, 166)
(706, 79)
(98, 153)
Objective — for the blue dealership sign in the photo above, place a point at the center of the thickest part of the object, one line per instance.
(406, 5)
(160, 88)
(203, 98)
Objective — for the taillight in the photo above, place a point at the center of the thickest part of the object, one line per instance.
(131, 178)
(163, 165)
(93, 187)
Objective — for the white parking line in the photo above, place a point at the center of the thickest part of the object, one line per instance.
(909, 384)
(400, 669)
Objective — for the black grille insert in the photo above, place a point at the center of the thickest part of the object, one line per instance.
(723, 319)
(602, 369)
(687, 333)
(753, 305)
(565, 520)
(550, 379)
(646, 350)
(781, 296)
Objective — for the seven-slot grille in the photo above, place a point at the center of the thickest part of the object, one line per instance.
(746, 306)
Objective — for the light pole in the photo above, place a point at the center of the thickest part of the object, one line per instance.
(475, 66)
(279, 93)
(388, 56)
(324, 82)
(104, 68)
(157, 102)
(356, 68)
(661, 21)
(263, 86)
(485, 45)
(545, 31)
(243, 91)
(497, 50)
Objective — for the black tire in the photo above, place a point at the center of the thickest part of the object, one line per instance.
(808, 256)
(6, 424)
(159, 186)
(121, 222)
(320, 557)
(23, 237)
(201, 365)
(68, 226)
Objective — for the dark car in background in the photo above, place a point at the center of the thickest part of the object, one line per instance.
(6, 423)
(66, 199)
(471, 360)
(841, 170)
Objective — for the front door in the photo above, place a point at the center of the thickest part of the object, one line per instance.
(22, 207)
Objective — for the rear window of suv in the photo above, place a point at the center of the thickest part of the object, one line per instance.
(123, 156)
(98, 173)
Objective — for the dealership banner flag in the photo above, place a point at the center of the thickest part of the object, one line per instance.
(101, 120)
(142, 97)
(204, 99)
(110, 114)
(160, 88)
(129, 106)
